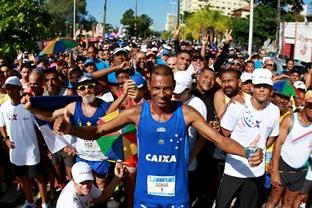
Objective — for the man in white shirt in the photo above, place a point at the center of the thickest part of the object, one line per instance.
(257, 117)
(81, 192)
(17, 127)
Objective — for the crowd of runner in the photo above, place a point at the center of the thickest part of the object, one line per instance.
(214, 126)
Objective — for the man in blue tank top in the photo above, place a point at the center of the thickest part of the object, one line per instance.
(162, 142)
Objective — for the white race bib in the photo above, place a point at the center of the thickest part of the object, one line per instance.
(91, 146)
(161, 185)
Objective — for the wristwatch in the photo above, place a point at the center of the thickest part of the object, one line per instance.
(5, 138)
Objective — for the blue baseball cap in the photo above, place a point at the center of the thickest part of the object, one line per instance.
(139, 80)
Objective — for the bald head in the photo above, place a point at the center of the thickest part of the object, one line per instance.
(36, 82)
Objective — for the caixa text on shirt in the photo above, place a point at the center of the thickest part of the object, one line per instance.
(161, 158)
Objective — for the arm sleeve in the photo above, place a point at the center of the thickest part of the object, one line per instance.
(221, 58)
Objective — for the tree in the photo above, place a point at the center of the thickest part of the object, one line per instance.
(22, 23)
(265, 21)
(203, 21)
(136, 26)
(62, 13)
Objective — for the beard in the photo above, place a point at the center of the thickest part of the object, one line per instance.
(88, 99)
(230, 92)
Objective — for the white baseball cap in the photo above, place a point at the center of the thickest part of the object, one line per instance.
(300, 85)
(13, 80)
(81, 171)
(262, 76)
(245, 76)
(183, 81)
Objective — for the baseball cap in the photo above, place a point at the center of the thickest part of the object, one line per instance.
(150, 53)
(154, 49)
(308, 96)
(262, 76)
(120, 50)
(13, 80)
(81, 171)
(300, 85)
(183, 81)
(139, 80)
(89, 62)
(245, 76)
(166, 52)
(86, 78)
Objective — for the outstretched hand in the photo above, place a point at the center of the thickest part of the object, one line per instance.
(62, 126)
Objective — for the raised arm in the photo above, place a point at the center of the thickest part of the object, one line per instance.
(101, 73)
(130, 115)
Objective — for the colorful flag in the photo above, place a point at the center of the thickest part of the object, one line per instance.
(120, 144)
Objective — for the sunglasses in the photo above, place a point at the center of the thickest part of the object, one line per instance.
(271, 65)
(235, 63)
(84, 87)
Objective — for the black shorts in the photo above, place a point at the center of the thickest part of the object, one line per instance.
(306, 187)
(27, 170)
(291, 178)
(62, 156)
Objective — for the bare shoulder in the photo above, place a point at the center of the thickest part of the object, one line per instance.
(287, 121)
(133, 113)
(70, 108)
(190, 114)
(219, 95)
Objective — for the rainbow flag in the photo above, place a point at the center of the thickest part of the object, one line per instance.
(120, 144)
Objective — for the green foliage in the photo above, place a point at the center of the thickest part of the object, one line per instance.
(203, 21)
(264, 24)
(265, 21)
(240, 27)
(166, 35)
(136, 26)
(62, 13)
(22, 23)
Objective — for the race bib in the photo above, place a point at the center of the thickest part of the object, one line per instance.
(161, 185)
(91, 146)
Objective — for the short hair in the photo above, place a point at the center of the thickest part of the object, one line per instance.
(233, 71)
(162, 70)
(289, 59)
(51, 71)
(206, 69)
(184, 51)
(249, 62)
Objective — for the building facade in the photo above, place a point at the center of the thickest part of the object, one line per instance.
(171, 22)
(225, 6)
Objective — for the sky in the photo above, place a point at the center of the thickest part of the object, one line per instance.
(155, 9)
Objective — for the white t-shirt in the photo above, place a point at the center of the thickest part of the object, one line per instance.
(200, 106)
(20, 127)
(246, 123)
(70, 199)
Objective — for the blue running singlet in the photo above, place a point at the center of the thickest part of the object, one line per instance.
(163, 152)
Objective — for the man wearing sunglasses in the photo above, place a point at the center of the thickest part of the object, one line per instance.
(83, 113)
